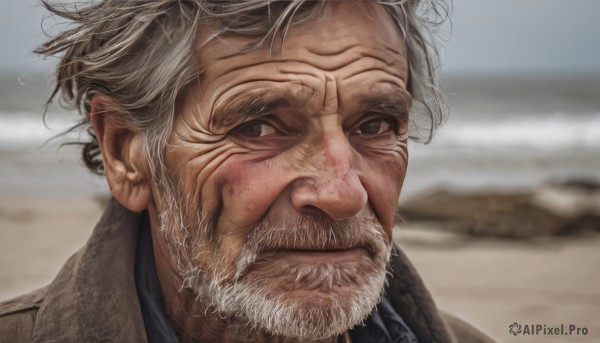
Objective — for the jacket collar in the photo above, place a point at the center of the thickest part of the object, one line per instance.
(413, 302)
(94, 298)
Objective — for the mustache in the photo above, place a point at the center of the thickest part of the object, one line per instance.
(313, 232)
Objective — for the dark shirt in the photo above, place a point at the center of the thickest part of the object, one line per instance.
(158, 327)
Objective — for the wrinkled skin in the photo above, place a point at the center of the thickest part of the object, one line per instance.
(317, 130)
(311, 154)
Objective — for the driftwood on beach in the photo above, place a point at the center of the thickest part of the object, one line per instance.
(554, 209)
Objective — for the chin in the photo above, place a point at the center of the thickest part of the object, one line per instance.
(307, 301)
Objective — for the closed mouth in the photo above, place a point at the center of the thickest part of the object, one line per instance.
(321, 256)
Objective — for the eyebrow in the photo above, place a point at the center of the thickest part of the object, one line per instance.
(247, 107)
(395, 103)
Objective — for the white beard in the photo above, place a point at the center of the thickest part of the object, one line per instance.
(260, 291)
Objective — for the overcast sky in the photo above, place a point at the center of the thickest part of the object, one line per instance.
(488, 36)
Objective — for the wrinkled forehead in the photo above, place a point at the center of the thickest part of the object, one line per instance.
(340, 26)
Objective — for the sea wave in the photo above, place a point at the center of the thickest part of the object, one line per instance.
(556, 131)
(29, 129)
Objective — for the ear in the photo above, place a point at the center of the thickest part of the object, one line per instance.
(122, 155)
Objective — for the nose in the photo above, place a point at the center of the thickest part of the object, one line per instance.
(332, 184)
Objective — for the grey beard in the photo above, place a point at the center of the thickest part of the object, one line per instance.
(258, 291)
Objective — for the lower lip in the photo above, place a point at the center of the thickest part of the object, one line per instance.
(323, 256)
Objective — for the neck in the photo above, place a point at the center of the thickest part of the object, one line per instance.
(192, 320)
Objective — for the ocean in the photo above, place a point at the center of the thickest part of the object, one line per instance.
(503, 133)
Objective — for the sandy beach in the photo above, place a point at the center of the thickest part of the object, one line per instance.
(492, 283)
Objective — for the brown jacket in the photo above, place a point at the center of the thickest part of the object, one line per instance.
(93, 298)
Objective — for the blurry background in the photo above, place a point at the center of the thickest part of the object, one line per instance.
(500, 210)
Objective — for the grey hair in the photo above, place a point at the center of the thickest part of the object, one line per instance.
(142, 55)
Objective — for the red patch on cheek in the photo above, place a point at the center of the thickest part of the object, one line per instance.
(232, 180)
(247, 191)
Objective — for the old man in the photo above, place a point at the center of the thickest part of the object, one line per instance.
(255, 152)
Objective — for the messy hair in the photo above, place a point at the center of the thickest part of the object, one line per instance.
(142, 55)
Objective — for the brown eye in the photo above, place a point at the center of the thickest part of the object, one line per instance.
(375, 127)
(254, 129)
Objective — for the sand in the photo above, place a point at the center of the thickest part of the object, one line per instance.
(492, 283)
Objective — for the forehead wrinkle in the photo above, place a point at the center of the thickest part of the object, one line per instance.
(280, 65)
(334, 62)
(374, 69)
(236, 67)
(359, 50)
(332, 52)
(392, 50)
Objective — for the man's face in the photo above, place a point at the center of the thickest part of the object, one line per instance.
(289, 167)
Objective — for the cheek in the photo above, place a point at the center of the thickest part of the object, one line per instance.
(193, 166)
(383, 179)
(247, 189)
(230, 183)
